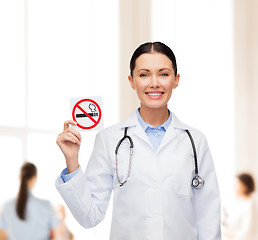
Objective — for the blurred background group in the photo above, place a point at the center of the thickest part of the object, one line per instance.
(54, 50)
(28, 217)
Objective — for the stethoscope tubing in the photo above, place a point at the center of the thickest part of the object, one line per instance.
(121, 183)
(121, 140)
(197, 181)
(194, 152)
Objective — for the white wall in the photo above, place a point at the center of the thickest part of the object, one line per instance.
(246, 85)
(203, 45)
(52, 51)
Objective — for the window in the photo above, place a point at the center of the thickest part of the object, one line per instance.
(52, 51)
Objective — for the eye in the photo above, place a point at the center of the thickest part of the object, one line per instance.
(164, 75)
(143, 75)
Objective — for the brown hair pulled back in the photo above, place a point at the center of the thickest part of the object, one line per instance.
(153, 47)
(28, 171)
(248, 181)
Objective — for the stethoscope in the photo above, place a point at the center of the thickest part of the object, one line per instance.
(197, 181)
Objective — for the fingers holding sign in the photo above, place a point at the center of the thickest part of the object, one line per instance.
(67, 123)
(69, 142)
(72, 134)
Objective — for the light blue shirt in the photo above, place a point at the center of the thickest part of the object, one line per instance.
(40, 220)
(67, 176)
(155, 134)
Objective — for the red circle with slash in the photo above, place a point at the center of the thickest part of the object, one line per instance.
(91, 118)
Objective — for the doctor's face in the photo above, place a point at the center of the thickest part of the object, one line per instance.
(153, 79)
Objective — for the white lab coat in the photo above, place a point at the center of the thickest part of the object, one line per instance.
(158, 203)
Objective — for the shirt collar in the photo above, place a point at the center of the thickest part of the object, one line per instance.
(145, 125)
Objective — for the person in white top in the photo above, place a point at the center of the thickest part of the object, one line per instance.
(148, 162)
(240, 218)
(27, 217)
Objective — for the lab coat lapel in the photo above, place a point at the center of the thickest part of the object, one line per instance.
(139, 132)
(171, 132)
(135, 128)
(168, 137)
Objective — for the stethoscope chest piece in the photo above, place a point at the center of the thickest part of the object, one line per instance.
(197, 182)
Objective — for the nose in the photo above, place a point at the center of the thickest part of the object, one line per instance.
(154, 81)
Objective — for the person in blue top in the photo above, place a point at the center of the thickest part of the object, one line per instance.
(27, 217)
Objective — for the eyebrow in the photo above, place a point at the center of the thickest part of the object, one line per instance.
(147, 70)
(164, 69)
(143, 69)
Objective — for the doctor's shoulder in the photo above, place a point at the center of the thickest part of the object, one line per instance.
(196, 133)
(115, 131)
(108, 138)
(198, 136)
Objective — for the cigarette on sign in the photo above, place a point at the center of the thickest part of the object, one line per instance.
(81, 115)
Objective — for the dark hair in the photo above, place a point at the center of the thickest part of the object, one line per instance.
(152, 47)
(248, 181)
(28, 171)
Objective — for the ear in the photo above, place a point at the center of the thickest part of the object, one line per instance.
(176, 81)
(130, 78)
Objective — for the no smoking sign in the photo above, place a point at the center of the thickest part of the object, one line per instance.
(87, 113)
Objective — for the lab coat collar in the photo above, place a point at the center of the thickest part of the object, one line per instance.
(132, 121)
(176, 123)
(171, 132)
(134, 128)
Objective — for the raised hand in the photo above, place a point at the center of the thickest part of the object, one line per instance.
(69, 142)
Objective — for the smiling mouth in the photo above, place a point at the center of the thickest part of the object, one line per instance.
(154, 94)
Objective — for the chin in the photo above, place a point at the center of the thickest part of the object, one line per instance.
(154, 106)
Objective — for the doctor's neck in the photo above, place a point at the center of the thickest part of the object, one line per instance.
(154, 116)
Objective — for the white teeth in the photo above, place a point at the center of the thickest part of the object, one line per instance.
(154, 94)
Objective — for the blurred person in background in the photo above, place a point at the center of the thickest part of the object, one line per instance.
(240, 218)
(27, 217)
(2, 233)
(62, 233)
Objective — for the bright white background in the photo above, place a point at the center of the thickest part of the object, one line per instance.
(53, 50)
(201, 35)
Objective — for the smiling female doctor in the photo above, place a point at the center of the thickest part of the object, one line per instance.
(148, 162)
